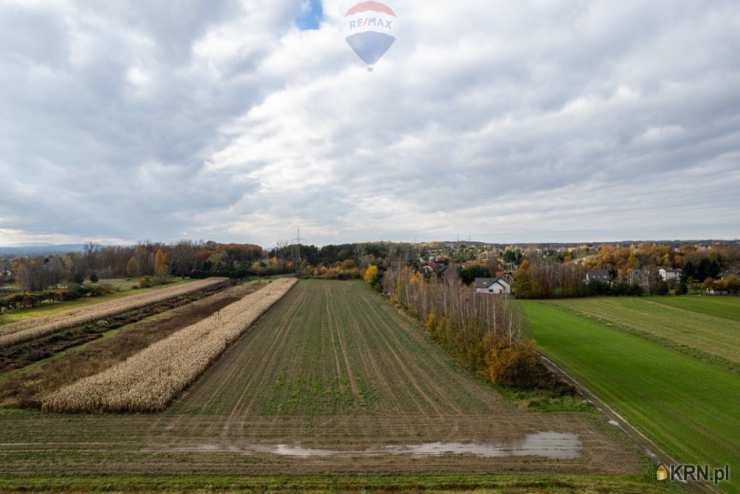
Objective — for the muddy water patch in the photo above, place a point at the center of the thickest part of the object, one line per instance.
(551, 445)
(296, 451)
(278, 450)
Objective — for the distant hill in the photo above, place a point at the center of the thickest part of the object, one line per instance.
(40, 249)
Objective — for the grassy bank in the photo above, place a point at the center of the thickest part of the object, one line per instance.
(574, 484)
(724, 307)
(670, 323)
(687, 406)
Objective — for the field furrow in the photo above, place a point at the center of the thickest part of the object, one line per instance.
(27, 385)
(685, 405)
(331, 378)
(724, 307)
(18, 332)
(149, 380)
(694, 332)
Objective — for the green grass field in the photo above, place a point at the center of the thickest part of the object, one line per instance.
(689, 407)
(725, 307)
(126, 290)
(681, 323)
(481, 484)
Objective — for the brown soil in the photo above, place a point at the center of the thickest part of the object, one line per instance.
(26, 386)
(25, 353)
(331, 380)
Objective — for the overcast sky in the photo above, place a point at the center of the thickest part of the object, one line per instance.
(498, 120)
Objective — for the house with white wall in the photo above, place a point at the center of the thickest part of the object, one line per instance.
(669, 274)
(492, 286)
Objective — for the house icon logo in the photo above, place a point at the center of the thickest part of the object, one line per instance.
(661, 473)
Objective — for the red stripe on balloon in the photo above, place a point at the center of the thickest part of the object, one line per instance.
(374, 6)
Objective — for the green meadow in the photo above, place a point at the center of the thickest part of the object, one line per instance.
(688, 406)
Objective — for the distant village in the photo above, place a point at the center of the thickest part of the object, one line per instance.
(711, 267)
(524, 270)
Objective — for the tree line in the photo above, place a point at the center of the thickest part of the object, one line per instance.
(630, 270)
(193, 259)
(485, 333)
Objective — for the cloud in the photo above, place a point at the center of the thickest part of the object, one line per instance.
(532, 121)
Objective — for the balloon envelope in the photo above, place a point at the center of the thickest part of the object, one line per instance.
(370, 46)
(370, 30)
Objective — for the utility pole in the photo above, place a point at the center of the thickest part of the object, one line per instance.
(297, 249)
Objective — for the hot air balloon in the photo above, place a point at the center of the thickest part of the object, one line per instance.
(370, 28)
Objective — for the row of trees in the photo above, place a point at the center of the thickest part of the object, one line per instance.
(696, 263)
(199, 259)
(331, 255)
(546, 279)
(149, 259)
(538, 273)
(484, 332)
(700, 266)
(729, 285)
(623, 259)
(631, 270)
(549, 280)
(472, 270)
(343, 262)
(344, 270)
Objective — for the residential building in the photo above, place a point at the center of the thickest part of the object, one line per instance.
(598, 276)
(669, 274)
(492, 286)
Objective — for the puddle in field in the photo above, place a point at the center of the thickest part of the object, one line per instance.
(279, 450)
(553, 445)
(297, 451)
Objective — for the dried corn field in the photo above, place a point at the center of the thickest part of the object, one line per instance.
(21, 331)
(149, 380)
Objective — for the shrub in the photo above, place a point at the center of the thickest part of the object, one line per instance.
(161, 279)
(513, 365)
(662, 288)
(100, 290)
(371, 275)
(94, 278)
(473, 270)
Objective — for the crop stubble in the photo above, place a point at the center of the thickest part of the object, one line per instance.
(332, 367)
(149, 380)
(18, 332)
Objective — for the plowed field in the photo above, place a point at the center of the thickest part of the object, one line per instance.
(332, 379)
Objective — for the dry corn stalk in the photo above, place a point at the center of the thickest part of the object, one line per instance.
(18, 332)
(149, 380)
